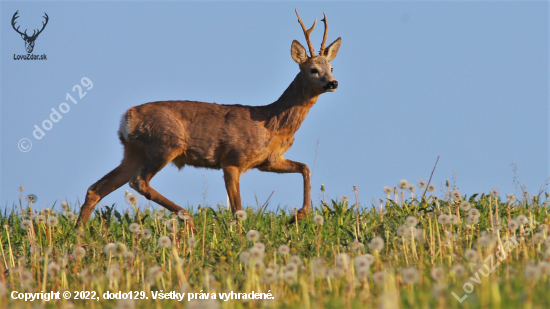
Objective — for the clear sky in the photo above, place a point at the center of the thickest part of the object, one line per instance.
(464, 80)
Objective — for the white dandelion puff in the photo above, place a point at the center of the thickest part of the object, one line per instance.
(253, 235)
(131, 199)
(283, 250)
(79, 252)
(403, 184)
(241, 215)
(318, 219)
(134, 228)
(377, 243)
(165, 241)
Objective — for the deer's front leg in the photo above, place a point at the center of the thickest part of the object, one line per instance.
(232, 176)
(283, 165)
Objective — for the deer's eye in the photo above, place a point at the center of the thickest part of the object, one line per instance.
(313, 71)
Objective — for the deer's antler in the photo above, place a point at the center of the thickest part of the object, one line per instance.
(307, 33)
(13, 24)
(43, 25)
(322, 50)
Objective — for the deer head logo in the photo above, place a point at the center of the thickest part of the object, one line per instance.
(29, 40)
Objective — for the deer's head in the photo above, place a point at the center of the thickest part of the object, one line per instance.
(29, 40)
(316, 68)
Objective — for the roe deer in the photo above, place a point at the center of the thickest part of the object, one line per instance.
(234, 138)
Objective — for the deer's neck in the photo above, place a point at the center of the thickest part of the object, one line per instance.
(290, 110)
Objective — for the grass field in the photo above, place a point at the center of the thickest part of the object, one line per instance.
(490, 252)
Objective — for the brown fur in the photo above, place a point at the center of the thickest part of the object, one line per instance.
(234, 138)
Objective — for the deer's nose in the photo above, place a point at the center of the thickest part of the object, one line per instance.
(333, 84)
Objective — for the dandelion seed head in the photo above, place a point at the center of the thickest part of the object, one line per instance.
(465, 205)
(296, 260)
(26, 224)
(155, 273)
(131, 199)
(361, 262)
(403, 184)
(471, 255)
(165, 241)
(113, 273)
(146, 233)
(35, 250)
(538, 238)
(456, 195)
(444, 219)
(53, 267)
(401, 230)
(253, 235)
(283, 250)
(377, 243)
(379, 278)
(318, 219)
(459, 270)
(410, 275)
(134, 228)
(494, 192)
(513, 225)
(532, 273)
(343, 260)
(362, 272)
(522, 219)
(128, 256)
(453, 219)
(110, 249)
(241, 215)
(356, 246)
(256, 253)
(472, 219)
(544, 267)
(438, 273)
(411, 221)
(191, 242)
(244, 257)
(64, 206)
(172, 224)
(269, 275)
(289, 277)
(26, 277)
(411, 187)
(40, 219)
(431, 188)
(291, 268)
(52, 221)
(260, 246)
(421, 183)
(388, 190)
(31, 198)
(69, 215)
(182, 214)
(79, 252)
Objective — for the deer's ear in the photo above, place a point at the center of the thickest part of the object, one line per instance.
(332, 49)
(298, 52)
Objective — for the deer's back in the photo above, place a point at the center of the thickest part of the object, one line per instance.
(202, 134)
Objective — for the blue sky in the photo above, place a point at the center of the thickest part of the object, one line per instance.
(467, 81)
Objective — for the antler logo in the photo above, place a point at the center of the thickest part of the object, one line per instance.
(29, 40)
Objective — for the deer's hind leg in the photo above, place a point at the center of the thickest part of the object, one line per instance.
(283, 165)
(132, 160)
(140, 182)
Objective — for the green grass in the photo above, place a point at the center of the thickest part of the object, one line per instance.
(418, 271)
